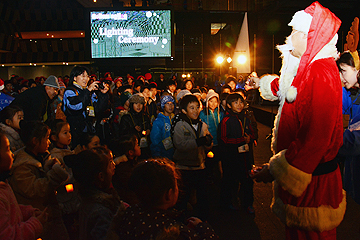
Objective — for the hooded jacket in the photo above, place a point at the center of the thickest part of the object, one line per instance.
(13, 136)
(160, 131)
(17, 221)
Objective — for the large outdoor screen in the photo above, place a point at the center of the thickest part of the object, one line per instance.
(123, 34)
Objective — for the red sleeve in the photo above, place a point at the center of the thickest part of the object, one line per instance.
(275, 86)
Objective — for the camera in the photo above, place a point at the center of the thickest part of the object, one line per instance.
(100, 86)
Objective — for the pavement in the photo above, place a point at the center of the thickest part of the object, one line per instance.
(264, 225)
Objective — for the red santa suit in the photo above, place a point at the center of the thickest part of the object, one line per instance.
(308, 195)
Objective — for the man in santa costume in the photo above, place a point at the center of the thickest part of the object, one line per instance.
(308, 194)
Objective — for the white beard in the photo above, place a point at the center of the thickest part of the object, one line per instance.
(288, 72)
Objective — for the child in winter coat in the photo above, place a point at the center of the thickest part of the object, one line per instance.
(161, 142)
(17, 221)
(212, 116)
(10, 118)
(67, 194)
(94, 169)
(137, 122)
(36, 175)
(191, 138)
(234, 135)
(155, 183)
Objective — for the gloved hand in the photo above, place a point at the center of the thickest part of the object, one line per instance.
(205, 140)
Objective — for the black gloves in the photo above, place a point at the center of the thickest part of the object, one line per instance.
(206, 140)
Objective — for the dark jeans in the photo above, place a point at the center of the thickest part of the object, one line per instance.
(194, 180)
(235, 171)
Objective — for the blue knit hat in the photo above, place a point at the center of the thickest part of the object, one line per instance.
(165, 99)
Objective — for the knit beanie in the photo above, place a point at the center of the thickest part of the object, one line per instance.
(211, 94)
(52, 81)
(137, 99)
(165, 99)
(182, 93)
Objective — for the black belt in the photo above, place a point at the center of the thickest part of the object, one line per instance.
(325, 168)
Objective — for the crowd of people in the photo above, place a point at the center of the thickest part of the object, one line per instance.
(119, 158)
(85, 153)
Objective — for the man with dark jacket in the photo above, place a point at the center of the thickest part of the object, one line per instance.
(35, 101)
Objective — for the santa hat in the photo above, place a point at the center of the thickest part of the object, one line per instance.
(1, 84)
(118, 79)
(148, 76)
(321, 26)
(62, 84)
(141, 76)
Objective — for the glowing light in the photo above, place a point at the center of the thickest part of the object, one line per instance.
(47, 34)
(220, 59)
(242, 59)
(69, 187)
(188, 75)
(144, 132)
(183, 76)
(148, 14)
(94, 1)
(229, 59)
(210, 154)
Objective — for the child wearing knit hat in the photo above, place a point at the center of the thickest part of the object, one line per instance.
(137, 122)
(212, 116)
(161, 142)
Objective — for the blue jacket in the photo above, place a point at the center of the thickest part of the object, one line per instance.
(350, 106)
(212, 120)
(161, 130)
(5, 100)
(350, 150)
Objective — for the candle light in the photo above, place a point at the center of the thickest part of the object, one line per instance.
(69, 187)
(210, 154)
(144, 132)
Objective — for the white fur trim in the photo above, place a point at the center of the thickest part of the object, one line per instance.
(291, 94)
(301, 21)
(265, 87)
(290, 178)
(322, 218)
(288, 72)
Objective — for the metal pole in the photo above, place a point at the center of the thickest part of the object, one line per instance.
(273, 54)
(183, 53)
(254, 52)
(202, 54)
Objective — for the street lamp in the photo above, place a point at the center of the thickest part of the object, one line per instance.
(241, 59)
(219, 59)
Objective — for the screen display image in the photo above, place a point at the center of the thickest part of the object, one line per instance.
(121, 34)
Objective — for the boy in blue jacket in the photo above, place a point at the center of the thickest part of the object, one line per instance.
(161, 143)
(235, 133)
